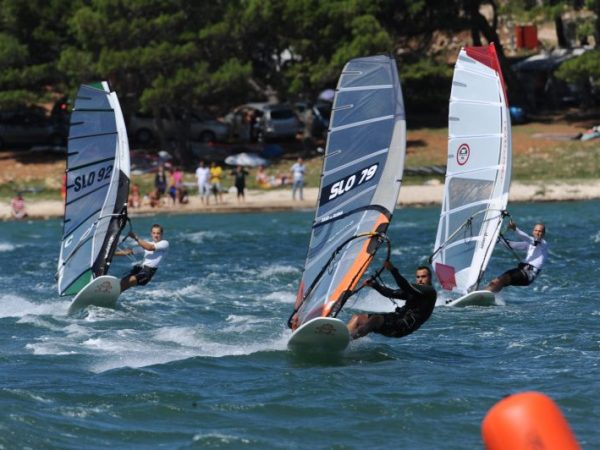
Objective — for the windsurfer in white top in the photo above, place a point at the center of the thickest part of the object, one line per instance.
(529, 269)
(154, 252)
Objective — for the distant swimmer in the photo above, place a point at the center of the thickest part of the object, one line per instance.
(420, 300)
(154, 252)
(529, 269)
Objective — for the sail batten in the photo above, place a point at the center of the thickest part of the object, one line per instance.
(97, 174)
(361, 177)
(356, 161)
(478, 169)
(366, 88)
(362, 122)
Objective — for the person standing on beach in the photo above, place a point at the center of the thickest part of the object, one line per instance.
(135, 200)
(420, 300)
(154, 253)
(261, 178)
(528, 270)
(160, 181)
(216, 173)
(240, 182)
(298, 179)
(17, 207)
(202, 176)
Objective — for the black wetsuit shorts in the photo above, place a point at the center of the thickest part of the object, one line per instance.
(523, 275)
(143, 274)
(398, 324)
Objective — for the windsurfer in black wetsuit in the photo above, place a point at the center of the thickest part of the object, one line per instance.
(420, 300)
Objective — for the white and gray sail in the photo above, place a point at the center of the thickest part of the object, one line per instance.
(478, 171)
(97, 187)
(361, 177)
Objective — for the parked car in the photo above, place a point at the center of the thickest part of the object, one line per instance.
(264, 121)
(30, 126)
(143, 162)
(318, 115)
(142, 128)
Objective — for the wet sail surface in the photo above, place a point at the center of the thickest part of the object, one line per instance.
(361, 177)
(97, 187)
(478, 170)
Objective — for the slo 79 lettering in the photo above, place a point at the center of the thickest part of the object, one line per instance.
(344, 185)
(95, 176)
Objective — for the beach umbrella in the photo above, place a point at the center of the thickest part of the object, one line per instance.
(245, 159)
(327, 95)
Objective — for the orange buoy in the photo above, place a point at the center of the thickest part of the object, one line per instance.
(527, 421)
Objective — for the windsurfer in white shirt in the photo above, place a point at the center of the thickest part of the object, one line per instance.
(529, 269)
(154, 252)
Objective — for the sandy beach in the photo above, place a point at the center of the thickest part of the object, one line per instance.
(281, 199)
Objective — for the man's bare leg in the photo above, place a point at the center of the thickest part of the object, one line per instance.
(361, 324)
(499, 283)
(126, 283)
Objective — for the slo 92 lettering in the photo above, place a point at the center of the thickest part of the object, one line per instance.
(85, 180)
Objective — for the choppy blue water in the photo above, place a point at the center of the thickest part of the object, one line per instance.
(197, 359)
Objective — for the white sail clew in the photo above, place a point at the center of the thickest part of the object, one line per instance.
(97, 188)
(361, 178)
(478, 171)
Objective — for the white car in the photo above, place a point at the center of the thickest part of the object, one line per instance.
(143, 129)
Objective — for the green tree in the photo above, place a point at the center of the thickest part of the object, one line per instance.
(33, 33)
(296, 46)
(583, 71)
(151, 53)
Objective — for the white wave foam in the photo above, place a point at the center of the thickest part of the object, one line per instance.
(277, 269)
(83, 412)
(412, 250)
(173, 344)
(242, 324)
(106, 345)
(185, 336)
(7, 247)
(191, 290)
(281, 296)
(30, 395)
(39, 322)
(235, 319)
(74, 330)
(200, 236)
(97, 314)
(218, 439)
(15, 306)
(49, 348)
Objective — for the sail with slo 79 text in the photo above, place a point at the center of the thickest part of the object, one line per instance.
(97, 187)
(360, 183)
(478, 171)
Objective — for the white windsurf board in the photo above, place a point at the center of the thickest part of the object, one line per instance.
(475, 298)
(320, 335)
(102, 291)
